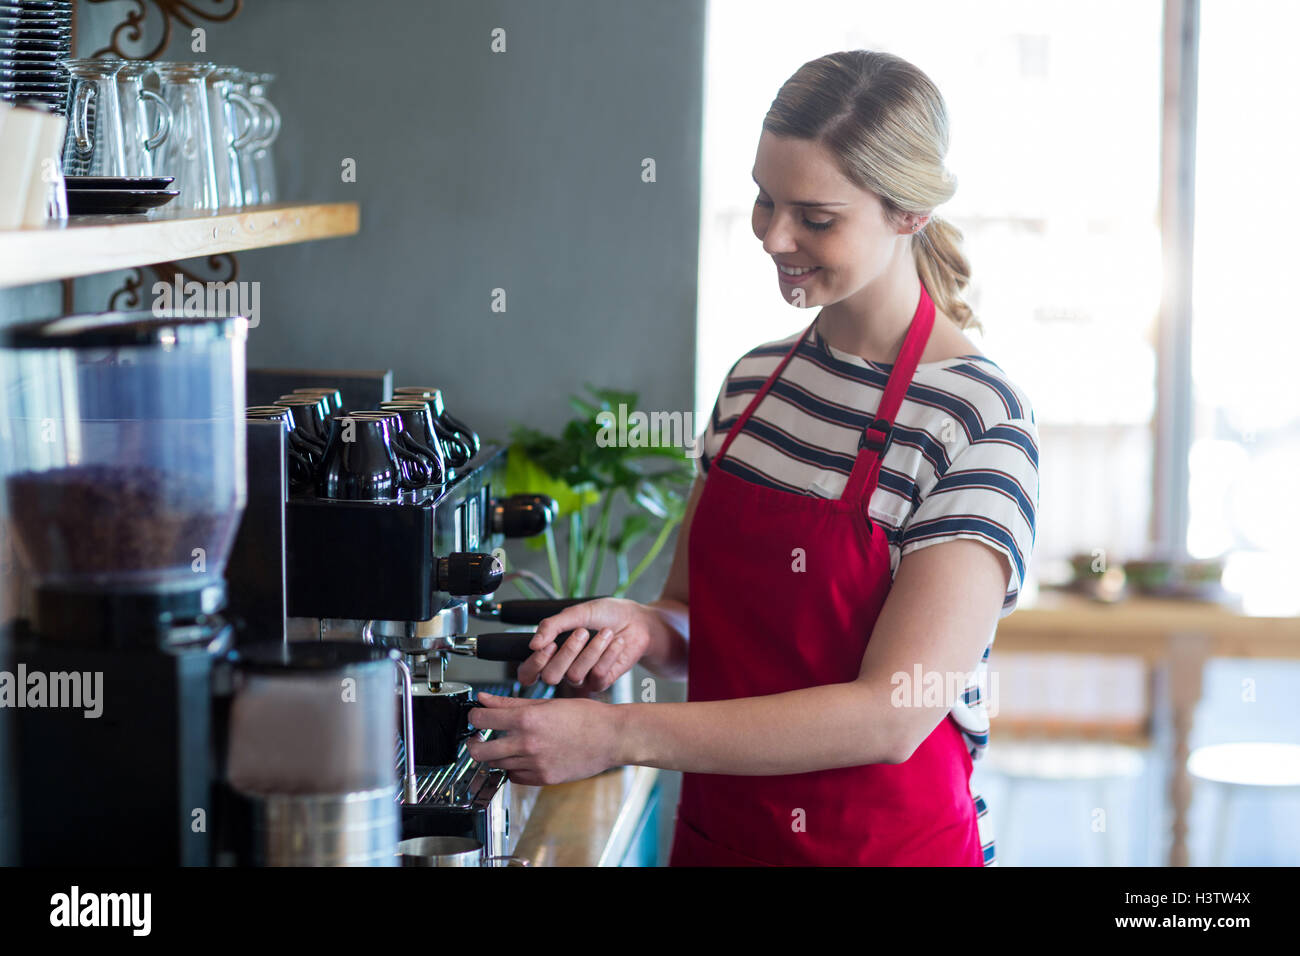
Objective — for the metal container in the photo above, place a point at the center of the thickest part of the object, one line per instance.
(450, 851)
(344, 829)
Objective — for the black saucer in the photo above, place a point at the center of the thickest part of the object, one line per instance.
(147, 183)
(117, 202)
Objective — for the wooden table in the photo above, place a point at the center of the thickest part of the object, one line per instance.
(588, 822)
(1175, 638)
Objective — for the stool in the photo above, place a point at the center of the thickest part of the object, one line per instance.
(1065, 762)
(1232, 768)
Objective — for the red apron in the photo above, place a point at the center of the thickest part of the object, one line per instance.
(760, 627)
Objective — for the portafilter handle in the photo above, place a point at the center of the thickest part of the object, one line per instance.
(529, 611)
(510, 646)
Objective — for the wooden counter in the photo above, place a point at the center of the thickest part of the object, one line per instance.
(588, 822)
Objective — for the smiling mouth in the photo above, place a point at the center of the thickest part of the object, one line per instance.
(796, 275)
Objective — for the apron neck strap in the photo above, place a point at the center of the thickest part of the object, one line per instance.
(876, 437)
(749, 409)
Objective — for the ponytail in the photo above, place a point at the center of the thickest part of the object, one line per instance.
(944, 270)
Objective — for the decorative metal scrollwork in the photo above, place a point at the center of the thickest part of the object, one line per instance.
(224, 266)
(182, 11)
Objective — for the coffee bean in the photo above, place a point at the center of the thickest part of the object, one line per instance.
(95, 521)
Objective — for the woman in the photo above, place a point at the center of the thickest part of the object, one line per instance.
(862, 520)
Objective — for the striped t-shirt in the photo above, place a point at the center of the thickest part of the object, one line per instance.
(963, 462)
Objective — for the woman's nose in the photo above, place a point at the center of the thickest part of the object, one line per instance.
(776, 237)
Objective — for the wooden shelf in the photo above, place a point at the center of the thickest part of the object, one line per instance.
(85, 245)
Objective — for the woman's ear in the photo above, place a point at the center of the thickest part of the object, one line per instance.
(911, 223)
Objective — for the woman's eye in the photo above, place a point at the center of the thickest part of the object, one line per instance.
(815, 226)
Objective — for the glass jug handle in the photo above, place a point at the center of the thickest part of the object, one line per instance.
(240, 100)
(273, 114)
(80, 119)
(165, 119)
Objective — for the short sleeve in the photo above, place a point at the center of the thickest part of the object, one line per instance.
(710, 441)
(988, 493)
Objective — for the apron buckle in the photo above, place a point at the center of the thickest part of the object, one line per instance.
(875, 444)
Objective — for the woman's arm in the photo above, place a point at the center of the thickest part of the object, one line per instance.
(938, 617)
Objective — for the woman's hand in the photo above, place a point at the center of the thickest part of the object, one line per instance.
(610, 635)
(546, 741)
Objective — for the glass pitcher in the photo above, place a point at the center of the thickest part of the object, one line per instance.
(229, 135)
(251, 189)
(141, 138)
(93, 144)
(187, 153)
(260, 162)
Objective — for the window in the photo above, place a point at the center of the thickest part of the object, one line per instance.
(1245, 452)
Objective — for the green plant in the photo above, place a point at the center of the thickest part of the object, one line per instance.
(588, 476)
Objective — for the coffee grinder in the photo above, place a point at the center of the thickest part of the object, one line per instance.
(125, 484)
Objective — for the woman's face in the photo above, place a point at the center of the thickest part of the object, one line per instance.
(807, 215)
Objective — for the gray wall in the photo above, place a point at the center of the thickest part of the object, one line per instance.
(479, 170)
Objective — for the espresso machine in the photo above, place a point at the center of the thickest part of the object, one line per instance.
(125, 482)
(166, 714)
(390, 526)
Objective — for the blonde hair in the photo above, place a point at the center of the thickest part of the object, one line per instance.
(887, 125)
